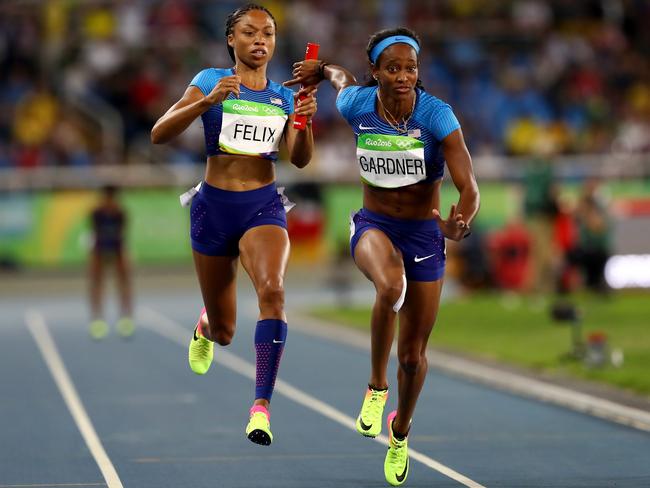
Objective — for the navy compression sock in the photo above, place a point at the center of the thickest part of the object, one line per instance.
(270, 335)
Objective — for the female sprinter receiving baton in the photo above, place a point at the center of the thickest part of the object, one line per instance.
(404, 136)
(238, 210)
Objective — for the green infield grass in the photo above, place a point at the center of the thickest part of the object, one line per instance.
(520, 331)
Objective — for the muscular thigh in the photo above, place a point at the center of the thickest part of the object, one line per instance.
(218, 280)
(377, 257)
(264, 252)
(418, 315)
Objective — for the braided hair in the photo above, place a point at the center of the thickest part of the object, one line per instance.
(234, 17)
(377, 37)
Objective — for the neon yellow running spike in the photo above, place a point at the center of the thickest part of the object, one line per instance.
(370, 417)
(125, 327)
(98, 329)
(396, 465)
(201, 350)
(258, 429)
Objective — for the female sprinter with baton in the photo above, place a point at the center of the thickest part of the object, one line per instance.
(238, 210)
(404, 136)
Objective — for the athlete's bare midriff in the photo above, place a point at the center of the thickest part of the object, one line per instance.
(239, 173)
(410, 202)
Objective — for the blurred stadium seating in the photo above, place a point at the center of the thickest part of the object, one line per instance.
(81, 83)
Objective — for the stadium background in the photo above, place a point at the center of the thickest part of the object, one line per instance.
(81, 84)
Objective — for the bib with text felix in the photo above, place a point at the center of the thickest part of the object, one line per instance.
(251, 128)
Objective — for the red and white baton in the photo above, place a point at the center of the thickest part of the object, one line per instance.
(300, 121)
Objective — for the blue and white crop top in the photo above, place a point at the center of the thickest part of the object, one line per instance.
(390, 159)
(252, 124)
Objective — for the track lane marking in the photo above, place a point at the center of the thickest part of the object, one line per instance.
(52, 485)
(511, 382)
(41, 334)
(168, 328)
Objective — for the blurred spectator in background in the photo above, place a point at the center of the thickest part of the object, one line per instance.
(566, 235)
(540, 210)
(108, 221)
(474, 271)
(510, 253)
(593, 247)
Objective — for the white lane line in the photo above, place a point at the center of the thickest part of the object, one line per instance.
(166, 327)
(38, 328)
(53, 485)
(492, 377)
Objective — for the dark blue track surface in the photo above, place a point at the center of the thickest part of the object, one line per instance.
(162, 426)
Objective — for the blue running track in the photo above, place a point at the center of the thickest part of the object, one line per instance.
(162, 426)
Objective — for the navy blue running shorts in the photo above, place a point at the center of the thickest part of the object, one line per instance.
(219, 218)
(420, 241)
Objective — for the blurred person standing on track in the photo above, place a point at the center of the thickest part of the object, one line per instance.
(404, 135)
(238, 211)
(108, 221)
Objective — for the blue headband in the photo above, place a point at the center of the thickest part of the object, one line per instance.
(389, 41)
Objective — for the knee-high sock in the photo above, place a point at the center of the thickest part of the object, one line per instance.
(270, 335)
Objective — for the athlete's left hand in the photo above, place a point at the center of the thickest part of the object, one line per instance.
(308, 105)
(305, 72)
(454, 228)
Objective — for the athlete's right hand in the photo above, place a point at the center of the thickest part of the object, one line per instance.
(226, 85)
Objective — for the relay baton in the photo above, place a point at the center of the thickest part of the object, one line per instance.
(300, 121)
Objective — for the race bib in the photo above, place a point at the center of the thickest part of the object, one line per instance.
(390, 161)
(251, 128)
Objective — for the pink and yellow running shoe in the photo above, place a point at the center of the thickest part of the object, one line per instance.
(258, 429)
(396, 464)
(201, 350)
(372, 410)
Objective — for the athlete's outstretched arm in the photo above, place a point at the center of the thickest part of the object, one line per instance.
(313, 71)
(459, 163)
(192, 104)
(300, 143)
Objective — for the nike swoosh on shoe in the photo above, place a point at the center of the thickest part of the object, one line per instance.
(400, 477)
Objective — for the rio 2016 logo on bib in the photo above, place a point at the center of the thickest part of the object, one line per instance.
(390, 161)
(251, 127)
